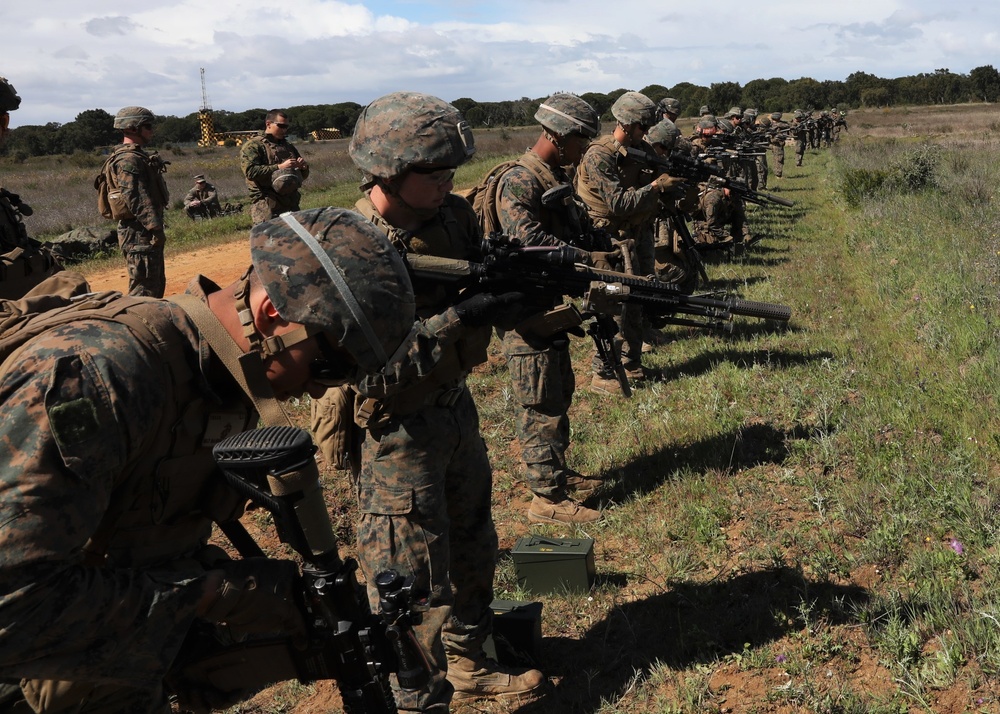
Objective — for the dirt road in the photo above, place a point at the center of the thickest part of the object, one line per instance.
(222, 263)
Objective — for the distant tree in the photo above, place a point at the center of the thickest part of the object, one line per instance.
(464, 104)
(691, 97)
(858, 82)
(985, 83)
(764, 94)
(656, 92)
(33, 140)
(598, 101)
(876, 97)
(804, 93)
(723, 95)
(90, 129)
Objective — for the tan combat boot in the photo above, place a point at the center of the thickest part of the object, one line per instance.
(547, 510)
(605, 385)
(580, 485)
(484, 678)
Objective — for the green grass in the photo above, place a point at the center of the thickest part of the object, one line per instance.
(800, 518)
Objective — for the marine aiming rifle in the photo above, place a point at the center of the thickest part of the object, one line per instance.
(547, 273)
(274, 467)
(696, 170)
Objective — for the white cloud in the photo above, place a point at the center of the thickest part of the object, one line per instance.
(67, 57)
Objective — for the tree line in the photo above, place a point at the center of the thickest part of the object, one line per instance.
(92, 129)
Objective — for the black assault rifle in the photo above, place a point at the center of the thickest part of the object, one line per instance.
(548, 273)
(691, 169)
(274, 467)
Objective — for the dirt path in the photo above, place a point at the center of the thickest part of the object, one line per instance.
(222, 263)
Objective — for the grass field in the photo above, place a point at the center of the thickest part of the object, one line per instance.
(798, 519)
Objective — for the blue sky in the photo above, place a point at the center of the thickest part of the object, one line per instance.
(68, 56)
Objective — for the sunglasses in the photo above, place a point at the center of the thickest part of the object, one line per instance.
(438, 174)
(280, 125)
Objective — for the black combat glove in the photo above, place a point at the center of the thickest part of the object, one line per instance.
(504, 310)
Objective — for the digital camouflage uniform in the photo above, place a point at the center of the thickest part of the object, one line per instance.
(541, 372)
(92, 413)
(425, 485)
(721, 219)
(259, 160)
(109, 489)
(24, 262)
(779, 133)
(801, 134)
(620, 199)
(139, 176)
(209, 197)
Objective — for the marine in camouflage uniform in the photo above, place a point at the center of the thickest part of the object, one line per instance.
(622, 197)
(273, 168)
(139, 177)
(671, 264)
(777, 136)
(109, 490)
(425, 481)
(202, 200)
(24, 262)
(540, 369)
(721, 218)
(800, 132)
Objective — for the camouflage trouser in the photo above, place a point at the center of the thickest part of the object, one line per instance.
(762, 171)
(47, 696)
(424, 501)
(265, 208)
(671, 264)
(543, 383)
(778, 151)
(800, 151)
(724, 217)
(143, 253)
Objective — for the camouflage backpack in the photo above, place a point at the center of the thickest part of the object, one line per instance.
(483, 196)
(110, 202)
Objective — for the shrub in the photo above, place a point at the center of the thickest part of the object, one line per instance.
(858, 185)
(916, 169)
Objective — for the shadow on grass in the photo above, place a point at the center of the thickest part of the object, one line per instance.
(692, 624)
(743, 448)
(706, 361)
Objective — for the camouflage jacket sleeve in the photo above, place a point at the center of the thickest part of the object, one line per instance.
(519, 208)
(439, 347)
(132, 175)
(605, 180)
(254, 162)
(76, 407)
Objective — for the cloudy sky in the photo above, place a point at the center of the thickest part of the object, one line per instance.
(66, 56)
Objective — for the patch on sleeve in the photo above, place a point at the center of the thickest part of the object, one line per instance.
(74, 422)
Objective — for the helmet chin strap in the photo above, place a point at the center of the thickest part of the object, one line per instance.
(555, 141)
(264, 346)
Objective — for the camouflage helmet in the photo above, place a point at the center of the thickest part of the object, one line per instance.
(286, 181)
(708, 122)
(704, 110)
(797, 114)
(776, 116)
(564, 114)
(334, 272)
(664, 132)
(133, 117)
(750, 113)
(764, 121)
(734, 113)
(670, 105)
(634, 108)
(404, 129)
(9, 101)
